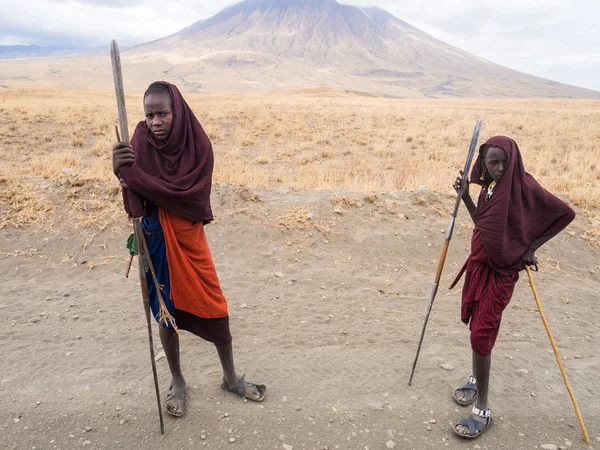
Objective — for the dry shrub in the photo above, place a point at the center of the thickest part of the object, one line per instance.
(345, 201)
(592, 232)
(77, 141)
(263, 158)
(419, 200)
(249, 195)
(21, 204)
(299, 219)
(432, 201)
(371, 198)
(391, 206)
(294, 219)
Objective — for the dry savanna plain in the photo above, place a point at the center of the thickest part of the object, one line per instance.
(330, 208)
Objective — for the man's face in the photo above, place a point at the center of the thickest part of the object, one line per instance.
(159, 114)
(496, 162)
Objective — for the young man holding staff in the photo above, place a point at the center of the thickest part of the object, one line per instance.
(514, 216)
(169, 165)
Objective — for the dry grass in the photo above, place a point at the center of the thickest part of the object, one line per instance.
(345, 201)
(20, 204)
(299, 219)
(339, 141)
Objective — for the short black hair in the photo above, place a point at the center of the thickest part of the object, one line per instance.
(158, 87)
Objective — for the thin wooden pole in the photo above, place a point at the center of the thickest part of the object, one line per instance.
(586, 438)
(137, 223)
(438, 275)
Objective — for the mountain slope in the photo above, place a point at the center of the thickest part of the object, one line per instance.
(365, 47)
(36, 51)
(282, 44)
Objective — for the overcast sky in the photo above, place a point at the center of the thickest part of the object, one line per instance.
(555, 39)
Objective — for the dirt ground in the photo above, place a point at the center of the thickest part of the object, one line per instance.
(327, 299)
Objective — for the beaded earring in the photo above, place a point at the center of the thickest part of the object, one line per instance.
(483, 171)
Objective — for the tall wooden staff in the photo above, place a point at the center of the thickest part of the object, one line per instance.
(449, 231)
(137, 224)
(586, 438)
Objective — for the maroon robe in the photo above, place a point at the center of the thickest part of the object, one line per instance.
(507, 224)
(176, 174)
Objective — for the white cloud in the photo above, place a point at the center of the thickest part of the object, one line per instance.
(553, 39)
(550, 38)
(92, 23)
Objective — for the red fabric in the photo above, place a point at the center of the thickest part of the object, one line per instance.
(486, 293)
(175, 174)
(519, 212)
(195, 286)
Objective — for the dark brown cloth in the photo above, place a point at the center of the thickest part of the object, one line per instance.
(519, 212)
(211, 330)
(176, 174)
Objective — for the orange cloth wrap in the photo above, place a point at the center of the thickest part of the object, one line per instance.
(195, 286)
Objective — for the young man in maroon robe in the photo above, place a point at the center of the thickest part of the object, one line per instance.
(166, 176)
(514, 217)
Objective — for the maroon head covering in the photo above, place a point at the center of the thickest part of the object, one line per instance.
(519, 212)
(175, 175)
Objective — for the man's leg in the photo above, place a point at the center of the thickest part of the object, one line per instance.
(481, 372)
(482, 366)
(170, 343)
(231, 379)
(484, 331)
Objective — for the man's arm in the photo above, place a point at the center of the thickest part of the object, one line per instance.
(529, 257)
(466, 197)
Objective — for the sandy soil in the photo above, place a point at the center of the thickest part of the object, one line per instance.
(326, 311)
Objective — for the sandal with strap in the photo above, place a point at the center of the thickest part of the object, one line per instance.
(470, 386)
(476, 428)
(242, 385)
(180, 395)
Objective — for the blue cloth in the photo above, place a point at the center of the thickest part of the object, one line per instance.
(157, 248)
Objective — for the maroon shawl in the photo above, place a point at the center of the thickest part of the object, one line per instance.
(175, 175)
(519, 212)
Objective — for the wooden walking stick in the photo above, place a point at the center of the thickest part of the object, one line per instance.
(137, 224)
(586, 438)
(449, 231)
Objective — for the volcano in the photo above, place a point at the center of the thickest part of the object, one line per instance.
(283, 44)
